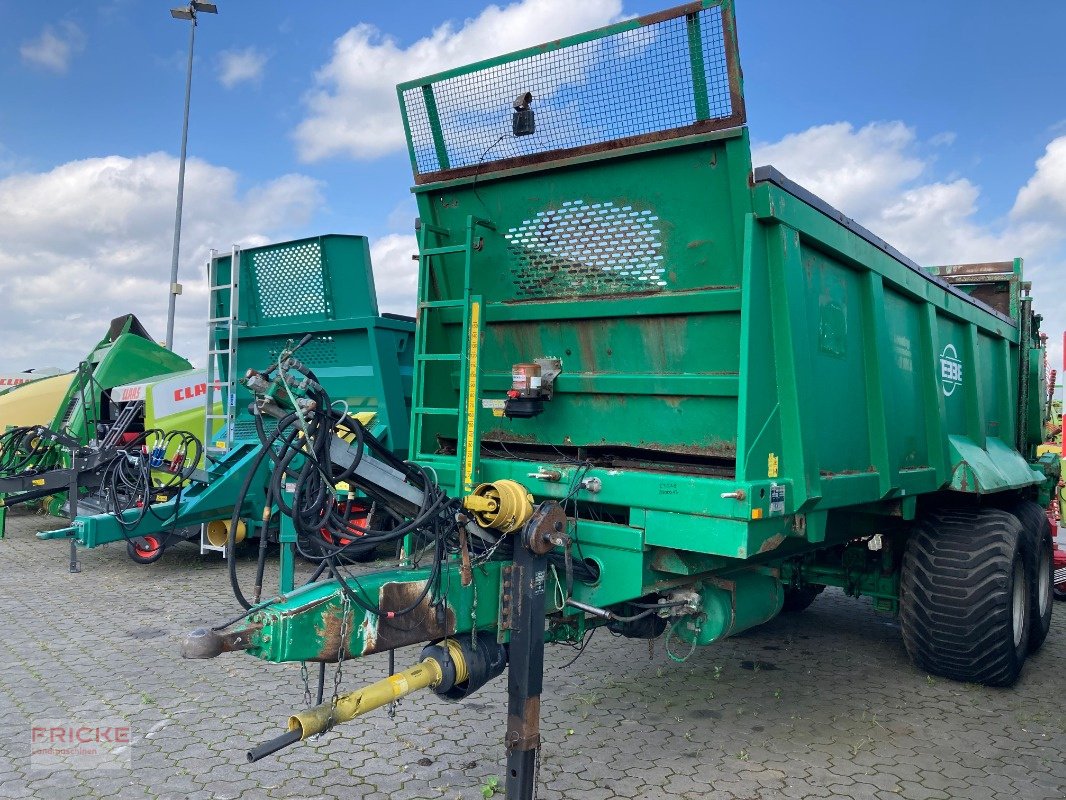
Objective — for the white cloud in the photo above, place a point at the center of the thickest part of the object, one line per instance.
(1044, 196)
(874, 176)
(853, 169)
(395, 272)
(353, 108)
(91, 239)
(240, 66)
(53, 49)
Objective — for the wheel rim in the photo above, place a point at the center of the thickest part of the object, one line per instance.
(1018, 601)
(149, 548)
(1044, 582)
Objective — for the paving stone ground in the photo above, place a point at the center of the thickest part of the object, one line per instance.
(822, 704)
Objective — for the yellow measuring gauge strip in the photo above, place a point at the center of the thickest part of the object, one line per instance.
(471, 397)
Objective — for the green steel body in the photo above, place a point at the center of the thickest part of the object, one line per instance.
(771, 385)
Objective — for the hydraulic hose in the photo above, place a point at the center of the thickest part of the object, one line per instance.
(235, 518)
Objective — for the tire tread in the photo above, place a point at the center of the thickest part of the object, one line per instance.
(955, 606)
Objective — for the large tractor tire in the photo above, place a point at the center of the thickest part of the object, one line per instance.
(1039, 554)
(964, 596)
(797, 600)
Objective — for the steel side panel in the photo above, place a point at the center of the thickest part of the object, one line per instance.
(857, 380)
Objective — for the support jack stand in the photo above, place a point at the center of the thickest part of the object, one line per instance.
(525, 675)
(72, 501)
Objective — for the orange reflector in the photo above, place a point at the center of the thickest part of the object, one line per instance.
(756, 513)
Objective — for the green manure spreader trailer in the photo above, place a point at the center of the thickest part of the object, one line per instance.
(661, 392)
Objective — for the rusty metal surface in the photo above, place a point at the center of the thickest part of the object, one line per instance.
(602, 148)
(376, 634)
(547, 524)
(950, 271)
(523, 732)
(421, 625)
(205, 643)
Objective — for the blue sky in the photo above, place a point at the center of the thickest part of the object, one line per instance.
(924, 120)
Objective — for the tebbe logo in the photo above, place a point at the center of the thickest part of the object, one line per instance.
(950, 370)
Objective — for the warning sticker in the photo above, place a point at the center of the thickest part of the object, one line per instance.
(777, 499)
(497, 406)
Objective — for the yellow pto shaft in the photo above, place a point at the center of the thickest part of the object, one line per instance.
(426, 674)
(429, 673)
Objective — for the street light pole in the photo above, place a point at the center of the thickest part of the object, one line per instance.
(188, 13)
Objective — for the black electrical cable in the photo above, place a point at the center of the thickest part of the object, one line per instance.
(331, 526)
(130, 481)
(235, 518)
(20, 450)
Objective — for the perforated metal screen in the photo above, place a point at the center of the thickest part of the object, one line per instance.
(244, 427)
(584, 248)
(663, 76)
(289, 280)
(319, 352)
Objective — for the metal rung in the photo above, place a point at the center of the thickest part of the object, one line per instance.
(442, 304)
(435, 229)
(439, 357)
(218, 352)
(437, 458)
(437, 411)
(211, 320)
(443, 251)
(219, 287)
(217, 416)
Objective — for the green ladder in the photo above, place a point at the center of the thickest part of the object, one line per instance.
(467, 436)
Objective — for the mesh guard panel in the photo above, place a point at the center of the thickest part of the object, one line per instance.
(289, 281)
(660, 77)
(587, 248)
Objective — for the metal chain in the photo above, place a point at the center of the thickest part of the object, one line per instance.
(392, 668)
(488, 554)
(473, 619)
(307, 684)
(536, 772)
(346, 607)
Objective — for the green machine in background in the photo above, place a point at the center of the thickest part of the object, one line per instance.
(659, 391)
(42, 463)
(313, 299)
